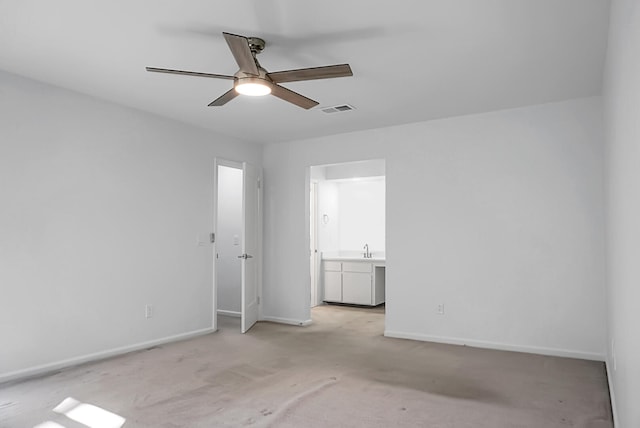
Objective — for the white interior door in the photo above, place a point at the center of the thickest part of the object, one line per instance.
(250, 245)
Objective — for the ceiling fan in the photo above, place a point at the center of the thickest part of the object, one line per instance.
(252, 79)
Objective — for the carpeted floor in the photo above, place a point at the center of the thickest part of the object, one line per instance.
(339, 372)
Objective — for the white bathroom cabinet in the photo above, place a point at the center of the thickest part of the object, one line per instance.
(358, 282)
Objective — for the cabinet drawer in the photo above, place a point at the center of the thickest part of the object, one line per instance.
(333, 266)
(356, 267)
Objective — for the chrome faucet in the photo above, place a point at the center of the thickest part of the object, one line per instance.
(367, 254)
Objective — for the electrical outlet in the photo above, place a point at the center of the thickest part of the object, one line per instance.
(148, 311)
(440, 309)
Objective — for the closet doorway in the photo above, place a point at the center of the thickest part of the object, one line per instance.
(237, 252)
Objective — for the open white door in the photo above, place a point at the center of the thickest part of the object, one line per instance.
(250, 245)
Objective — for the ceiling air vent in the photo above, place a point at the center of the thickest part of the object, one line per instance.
(338, 108)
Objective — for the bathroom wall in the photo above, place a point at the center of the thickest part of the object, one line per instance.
(328, 217)
(351, 206)
(362, 215)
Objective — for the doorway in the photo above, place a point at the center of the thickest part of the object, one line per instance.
(347, 207)
(229, 231)
(237, 242)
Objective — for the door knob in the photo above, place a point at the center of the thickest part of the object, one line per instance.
(245, 256)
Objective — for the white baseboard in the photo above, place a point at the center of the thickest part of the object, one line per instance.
(287, 321)
(229, 313)
(51, 367)
(612, 394)
(555, 352)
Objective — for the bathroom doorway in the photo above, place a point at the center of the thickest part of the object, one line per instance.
(347, 206)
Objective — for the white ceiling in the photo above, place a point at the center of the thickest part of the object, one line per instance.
(412, 60)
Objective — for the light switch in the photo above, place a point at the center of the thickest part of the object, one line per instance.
(201, 240)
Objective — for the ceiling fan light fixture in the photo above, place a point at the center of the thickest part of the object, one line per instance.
(253, 80)
(253, 86)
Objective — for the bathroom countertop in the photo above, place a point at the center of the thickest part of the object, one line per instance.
(354, 259)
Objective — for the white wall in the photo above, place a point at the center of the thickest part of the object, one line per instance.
(622, 119)
(499, 216)
(362, 215)
(229, 234)
(101, 208)
(356, 215)
(329, 206)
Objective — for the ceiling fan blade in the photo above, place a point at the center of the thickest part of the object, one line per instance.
(313, 73)
(292, 97)
(188, 73)
(224, 98)
(239, 46)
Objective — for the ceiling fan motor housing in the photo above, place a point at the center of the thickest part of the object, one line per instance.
(256, 44)
(244, 75)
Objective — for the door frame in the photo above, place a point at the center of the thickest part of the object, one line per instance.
(238, 165)
(313, 244)
(310, 178)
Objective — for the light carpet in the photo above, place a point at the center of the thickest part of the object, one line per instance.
(338, 372)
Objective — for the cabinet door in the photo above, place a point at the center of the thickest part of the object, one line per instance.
(356, 288)
(332, 286)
